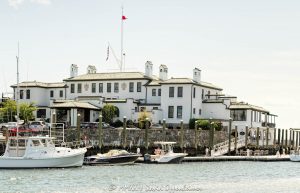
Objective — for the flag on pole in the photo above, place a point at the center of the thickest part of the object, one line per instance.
(124, 17)
(107, 53)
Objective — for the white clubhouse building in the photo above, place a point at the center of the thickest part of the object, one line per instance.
(172, 99)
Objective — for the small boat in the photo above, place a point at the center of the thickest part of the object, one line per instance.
(295, 157)
(113, 157)
(39, 152)
(165, 154)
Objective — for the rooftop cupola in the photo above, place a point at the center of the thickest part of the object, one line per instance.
(73, 70)
(148, 69)
(91, 69)
(163, 72)
(197, 75)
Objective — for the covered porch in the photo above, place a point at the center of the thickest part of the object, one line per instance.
(70, 111)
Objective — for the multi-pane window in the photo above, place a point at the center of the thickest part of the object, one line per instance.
(93, 87)
(139, 87)
(79, 86)
(194, 110)
(159, 92)
(153, 92)
(51, 93)
(21, 94)
(116, 87)
(238, 115)
(27, 94)
(171, 112)
(131, 86)
(202, 95)
(208, 94)
(171, 91)
(108, 87)
(100, 87)
(179, 91)
(199, 111)
(61, 93)
(179, 112)
(72, 88)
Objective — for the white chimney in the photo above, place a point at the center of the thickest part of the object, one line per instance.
(74, 70)
(91, 69)
(197, 75)
(163, 72)
(148, 68)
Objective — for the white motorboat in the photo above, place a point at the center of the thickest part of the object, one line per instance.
(39, 152)
(295, 157)
(165, 154)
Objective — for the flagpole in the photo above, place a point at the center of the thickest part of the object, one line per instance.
(122, 41)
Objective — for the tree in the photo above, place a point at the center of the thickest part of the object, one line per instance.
(109, 112)
(26, 111)
(142, 117)
(9, 110)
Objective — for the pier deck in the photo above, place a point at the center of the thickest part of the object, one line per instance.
(237, 158)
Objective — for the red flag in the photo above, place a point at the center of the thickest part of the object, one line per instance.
(124, 17)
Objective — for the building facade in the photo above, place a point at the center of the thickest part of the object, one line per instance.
(172, 99)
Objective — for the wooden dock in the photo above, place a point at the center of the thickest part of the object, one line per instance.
(237, 158)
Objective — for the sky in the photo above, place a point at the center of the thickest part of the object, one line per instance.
(249, 48)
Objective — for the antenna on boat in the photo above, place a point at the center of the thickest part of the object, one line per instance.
(17, 100)
(18, 88)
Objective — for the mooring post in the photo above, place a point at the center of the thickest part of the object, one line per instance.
(229, 136)
(297, 140)
(246, 137)
(257, 137)
(196, 136)
(286, 138)
(282, 137)
(146, 134)
(100, 132)
(279, 137)
(78, 129)
(53, 127)
(267, 138)
(235, 139)
(124, 132)
(165, 129)
(290, 142)
(274, 140)
(211, 134)
(181, 135)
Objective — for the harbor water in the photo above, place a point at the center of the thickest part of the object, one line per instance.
(186, 177)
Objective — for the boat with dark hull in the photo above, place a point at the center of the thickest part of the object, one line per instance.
(113, 157)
